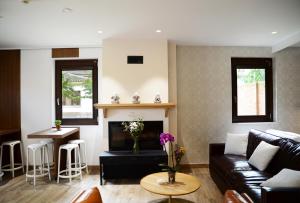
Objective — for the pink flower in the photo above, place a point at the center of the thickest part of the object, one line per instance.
(166, 137)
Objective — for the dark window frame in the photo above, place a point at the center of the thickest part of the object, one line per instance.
(252, 63)
(76, 64)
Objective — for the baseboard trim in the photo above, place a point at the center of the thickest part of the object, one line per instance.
(194, 165)
(93, 167)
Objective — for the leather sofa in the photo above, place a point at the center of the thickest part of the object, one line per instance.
(233, 172)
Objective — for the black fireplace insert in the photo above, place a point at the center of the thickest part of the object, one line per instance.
(122, 141)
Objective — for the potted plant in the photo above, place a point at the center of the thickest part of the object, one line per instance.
(58, 124)
(135, 129)
(176, 154)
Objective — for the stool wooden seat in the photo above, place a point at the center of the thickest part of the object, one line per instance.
(69, 169)
(43, 171)
(12, 167)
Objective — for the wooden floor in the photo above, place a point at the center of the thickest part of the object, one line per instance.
(17, 190)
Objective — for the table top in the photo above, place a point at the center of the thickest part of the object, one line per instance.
(53, 133)
(158, 183)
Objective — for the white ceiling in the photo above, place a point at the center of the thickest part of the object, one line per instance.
(41, 23)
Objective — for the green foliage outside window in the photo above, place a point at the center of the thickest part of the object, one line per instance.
(69, 92)
(253, 76)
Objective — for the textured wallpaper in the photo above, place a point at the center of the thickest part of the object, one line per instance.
(204, 95)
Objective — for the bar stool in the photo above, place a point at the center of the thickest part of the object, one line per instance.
(82, 148)
(12, 166)
(49, 145)
(69, 169)
(43, 171)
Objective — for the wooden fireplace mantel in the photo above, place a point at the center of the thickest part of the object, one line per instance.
(106, 107)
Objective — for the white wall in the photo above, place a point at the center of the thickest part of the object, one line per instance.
(37, 98)
(126, 79)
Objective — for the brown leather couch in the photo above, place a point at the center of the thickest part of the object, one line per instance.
(232, 196)
(234, 172)
(91, 195)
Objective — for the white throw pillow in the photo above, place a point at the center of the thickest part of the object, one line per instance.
(284, 134)
(285, 178)
(262, 155)
(236, 144)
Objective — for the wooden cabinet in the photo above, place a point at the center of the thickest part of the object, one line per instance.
(125, 164)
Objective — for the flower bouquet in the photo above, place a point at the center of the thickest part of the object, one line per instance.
(176, 154)
(135, 129)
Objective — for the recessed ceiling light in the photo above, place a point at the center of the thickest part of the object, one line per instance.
(26, 1)
(274, 32)
(67, 10)
(100, 31)
(158, 31)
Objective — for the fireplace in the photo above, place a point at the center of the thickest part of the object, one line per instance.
(122, 141)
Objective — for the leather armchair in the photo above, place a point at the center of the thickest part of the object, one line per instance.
(91, 195)
(232, 196)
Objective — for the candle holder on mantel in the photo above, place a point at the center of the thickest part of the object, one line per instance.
(115, 99)
(136, 98)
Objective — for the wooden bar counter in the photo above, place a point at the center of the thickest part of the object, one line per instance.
(59, 137)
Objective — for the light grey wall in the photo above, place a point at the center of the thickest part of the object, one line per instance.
(204, 95)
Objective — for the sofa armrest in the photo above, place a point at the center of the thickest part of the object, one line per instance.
(216, 149)
(279, 195)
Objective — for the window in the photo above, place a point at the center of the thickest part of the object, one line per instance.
(76, 91)
(252, 90)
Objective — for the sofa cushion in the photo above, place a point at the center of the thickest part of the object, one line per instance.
(250, 177)
(288, 156)
(236, 144)
(225, 165)
(256, 136)
(262, 155)
(286, 178)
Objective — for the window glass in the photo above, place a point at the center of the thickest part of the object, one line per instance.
(77, 94)
(251, 92)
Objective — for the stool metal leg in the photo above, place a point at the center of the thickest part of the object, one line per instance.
(22, 156)
(34, 167)
(41, 166)
(27, 164)
(12, 160)
(85, 157)
(58, 169)
(70, 172)
(47, 158)
(79, 160)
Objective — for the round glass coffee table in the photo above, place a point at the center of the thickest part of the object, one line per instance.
(158, 183)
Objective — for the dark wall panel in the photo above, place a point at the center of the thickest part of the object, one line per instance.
(10, 89)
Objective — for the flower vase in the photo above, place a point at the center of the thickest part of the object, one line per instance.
(136, 147)
(171, 177)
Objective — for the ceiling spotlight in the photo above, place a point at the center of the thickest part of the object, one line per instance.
(26, 1)
(158, 31)
(100, 31)
(274, 32)
(67, 10)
